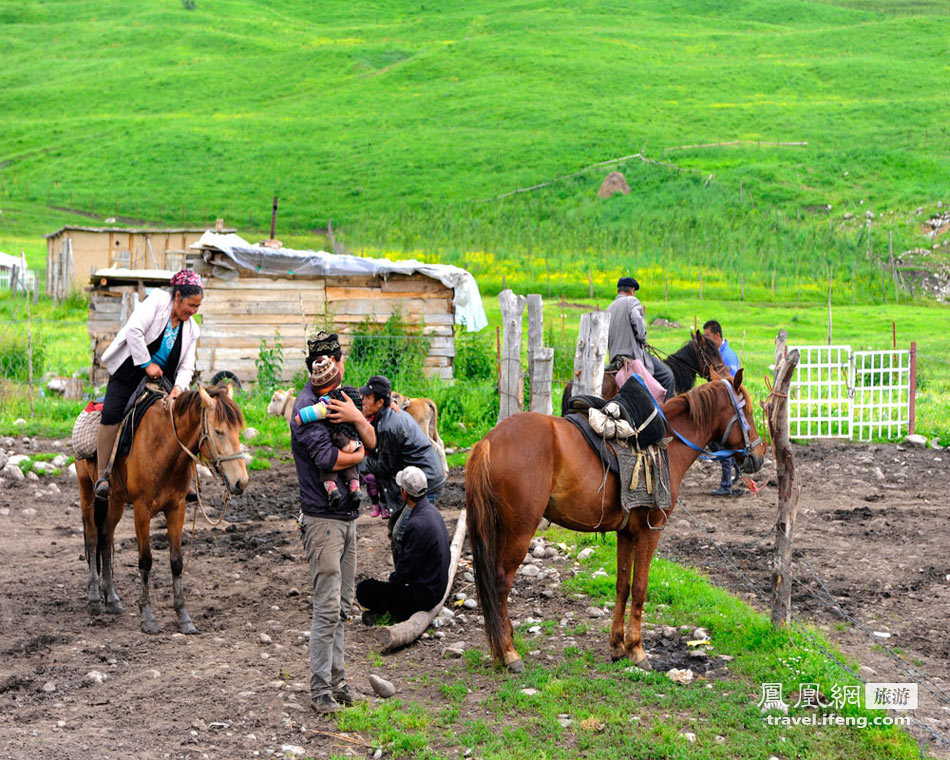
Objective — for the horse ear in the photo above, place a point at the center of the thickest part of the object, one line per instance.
(737, 380)
(230, 391)
(205, 397)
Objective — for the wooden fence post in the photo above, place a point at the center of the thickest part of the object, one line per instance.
(512, 379)
(912, 400)
(591, 353)
(788, 489)
(540, 359)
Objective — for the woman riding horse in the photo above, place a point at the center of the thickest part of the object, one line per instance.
(158, 340)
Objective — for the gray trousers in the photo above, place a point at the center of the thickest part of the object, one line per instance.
(331, 554)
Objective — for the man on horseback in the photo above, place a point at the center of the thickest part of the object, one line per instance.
(627, 335)
(713, 331)
(328, 531)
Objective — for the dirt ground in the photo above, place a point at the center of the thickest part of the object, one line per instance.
(879, 541)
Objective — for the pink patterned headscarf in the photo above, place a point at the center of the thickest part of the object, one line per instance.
(187, 277)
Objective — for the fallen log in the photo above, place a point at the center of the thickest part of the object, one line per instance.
(393, 637)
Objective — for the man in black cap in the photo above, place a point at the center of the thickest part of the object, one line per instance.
(400, 443)
(627, 334)
(328, 531)
(422, 564)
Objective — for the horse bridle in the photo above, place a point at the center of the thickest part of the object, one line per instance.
(216, 458)
(747, 447)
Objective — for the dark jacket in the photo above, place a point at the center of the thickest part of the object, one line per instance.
(313, 451)
(423, 562)
(400, 443)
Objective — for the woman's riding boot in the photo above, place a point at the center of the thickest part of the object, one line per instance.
(104, 446)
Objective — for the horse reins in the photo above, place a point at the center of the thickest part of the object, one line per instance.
(216, 460)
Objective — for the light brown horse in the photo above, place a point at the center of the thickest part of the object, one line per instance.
(154, 478)
(532, 466)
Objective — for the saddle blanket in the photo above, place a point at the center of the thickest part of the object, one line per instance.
(644, 475)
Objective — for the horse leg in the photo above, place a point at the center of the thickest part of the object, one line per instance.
(106, 544)
(625, 544)
(175, 519)
(512, 556)
(142, 524)
(644, 546)
(90, 541)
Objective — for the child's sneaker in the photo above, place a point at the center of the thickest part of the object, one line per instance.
(384, 513)
(376, 511)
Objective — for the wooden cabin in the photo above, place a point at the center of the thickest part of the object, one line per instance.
(73, 253)
(243, 305)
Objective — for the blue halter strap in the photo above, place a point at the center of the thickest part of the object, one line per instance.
(705, 453)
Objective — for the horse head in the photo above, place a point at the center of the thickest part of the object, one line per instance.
(742, 438)
(222, 423)
(708, 358)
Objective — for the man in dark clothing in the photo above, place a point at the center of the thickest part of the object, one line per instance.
(422, 565)
(329, 535)
(627, 334)
(400, 443)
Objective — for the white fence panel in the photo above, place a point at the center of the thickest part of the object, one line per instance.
(819, 402)
(881, 394)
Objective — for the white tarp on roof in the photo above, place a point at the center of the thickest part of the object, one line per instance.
(8, 262)
(467, 301)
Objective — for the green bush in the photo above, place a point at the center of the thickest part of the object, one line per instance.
(475, 356)
(14, 357)
(394, 349)
(270, 365)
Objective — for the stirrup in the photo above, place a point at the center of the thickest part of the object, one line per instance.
(101, 488)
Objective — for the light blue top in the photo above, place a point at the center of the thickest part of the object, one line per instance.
(160, 357)
(729, 357)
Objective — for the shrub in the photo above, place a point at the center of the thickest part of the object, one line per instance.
(14, 358)
(270, 364)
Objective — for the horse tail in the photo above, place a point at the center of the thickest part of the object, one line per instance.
(100, 510)
(484, 529)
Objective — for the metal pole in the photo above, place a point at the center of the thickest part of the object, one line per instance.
(273, 219)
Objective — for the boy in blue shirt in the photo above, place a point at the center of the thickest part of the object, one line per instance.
(713, 330)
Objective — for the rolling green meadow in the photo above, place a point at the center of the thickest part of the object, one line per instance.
(775, 152)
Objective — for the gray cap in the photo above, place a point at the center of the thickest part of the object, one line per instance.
(414, 481)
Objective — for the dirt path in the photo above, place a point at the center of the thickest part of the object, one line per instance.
(882, 547)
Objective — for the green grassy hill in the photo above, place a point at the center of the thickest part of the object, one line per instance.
(394, 118)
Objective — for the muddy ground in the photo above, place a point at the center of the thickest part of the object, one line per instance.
(878, 540)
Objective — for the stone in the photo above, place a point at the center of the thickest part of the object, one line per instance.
(529, 571)
(294, 592)
(265, 639)
(95, 677)
(878, 474)
(935, 444)
(689, 736)
(28, 512)
(250, 433)
(204, 472)
(60, 461)
(468, 577)
(915, 439)
(470, 604)
(701, 634)
(49, 687)
(71, 472)
(454, 652)
(13, 472)
(849, 215)
(18, 459)
(32, 476)
(151, 673)
(585, 553)
(53, 488)
(539, 552)
(3, 459)
(595, 612)
(292, 750)
(44, 467)
(682, 676)
(381, 687)
(19, 422)
(529, 692)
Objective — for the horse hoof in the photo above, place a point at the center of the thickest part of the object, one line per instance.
(150, 627)
(94, 608)
(618, 657)
(188, 629)
(516, 666)
(115, 608)
(644, 664)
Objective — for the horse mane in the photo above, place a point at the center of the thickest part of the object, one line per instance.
(225, 410)
(685, 366)
(700, 403)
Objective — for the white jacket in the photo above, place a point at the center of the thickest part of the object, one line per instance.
(145, 325)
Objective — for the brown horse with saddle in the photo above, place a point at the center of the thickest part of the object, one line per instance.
(154, 477)
(532, 466)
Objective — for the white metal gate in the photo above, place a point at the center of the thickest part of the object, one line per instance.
(840, 393)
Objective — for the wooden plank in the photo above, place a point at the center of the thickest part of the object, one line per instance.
(388, 306)
(416, 282)
(252, 305)
(448, 318)
(222, 320)
(339, 294)
(248, 283)
(264, 296)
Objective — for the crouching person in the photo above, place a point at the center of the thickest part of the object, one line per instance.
(422, 562)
